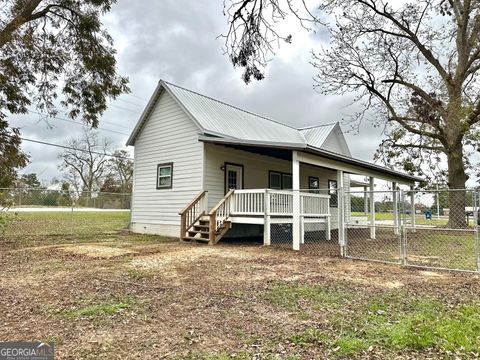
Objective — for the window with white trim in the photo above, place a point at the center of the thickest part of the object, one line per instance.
(164, 176)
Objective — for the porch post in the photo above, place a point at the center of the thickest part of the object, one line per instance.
(296, 201)
(412, 201)
(395, 207)
(266, 219)
(372, 208)
(341, 212)
(365, 200)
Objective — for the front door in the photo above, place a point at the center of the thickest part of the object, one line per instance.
(233, 177)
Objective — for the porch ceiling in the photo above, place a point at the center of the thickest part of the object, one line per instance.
(317, 157)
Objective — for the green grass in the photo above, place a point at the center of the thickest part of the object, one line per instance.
(107, 307)
(38, 224)
(395, 321)
(293, 296)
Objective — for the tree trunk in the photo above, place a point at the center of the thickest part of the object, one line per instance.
(456, 184)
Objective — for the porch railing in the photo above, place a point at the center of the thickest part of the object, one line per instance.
(252, 202)
(191, 213)
(219, 215)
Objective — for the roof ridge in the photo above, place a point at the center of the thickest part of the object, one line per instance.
(316, 126)
(230, 105)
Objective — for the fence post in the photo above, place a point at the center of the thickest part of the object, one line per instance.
(372, 208)
(395, 208)
(341, 220)
(266, 217)
(475, 227)
(403, 244)
(412, 202)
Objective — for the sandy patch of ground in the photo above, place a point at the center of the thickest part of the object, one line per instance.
(97, 250)
(187, 255)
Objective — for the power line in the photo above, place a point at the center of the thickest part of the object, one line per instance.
(137, 97)
(78, 123)
(131, 102)
(126, 109)
(72, 148)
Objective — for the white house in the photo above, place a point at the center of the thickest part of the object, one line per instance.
(204, 169)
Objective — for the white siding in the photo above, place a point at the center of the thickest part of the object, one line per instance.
(336, 143)
(168, 136)
(255, 168)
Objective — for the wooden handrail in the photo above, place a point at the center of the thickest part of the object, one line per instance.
(220, 203)
(193, 202)
(191, 213)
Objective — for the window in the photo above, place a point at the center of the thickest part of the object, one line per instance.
(313, 184)
(286, 181)
(275, 180)
(278, 180)
(332, 191)
(232, 179)
(164, 176)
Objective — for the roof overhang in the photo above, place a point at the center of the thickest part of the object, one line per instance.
(325, 158)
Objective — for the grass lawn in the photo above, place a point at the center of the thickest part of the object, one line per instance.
(54, 226)
(419, 219)
(111, 295)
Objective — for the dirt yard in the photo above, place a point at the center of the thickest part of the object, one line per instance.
(148, 298)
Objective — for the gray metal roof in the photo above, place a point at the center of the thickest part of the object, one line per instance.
(220, 122)
(217, 117)
(214, 117)
(316, 135)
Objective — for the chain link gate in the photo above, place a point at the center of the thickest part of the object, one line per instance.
(373, 232)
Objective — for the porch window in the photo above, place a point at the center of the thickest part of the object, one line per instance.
(313, 184)
(287, 181)
(164, 176)
(332, 191)
(274, 180)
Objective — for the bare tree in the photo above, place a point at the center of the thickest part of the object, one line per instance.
(85, 162)
(251, 34)
(121, 170)
(415, 69)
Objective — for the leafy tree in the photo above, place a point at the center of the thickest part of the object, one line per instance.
(413, 67)
(30, 181)
(11, 157)
(49, 50)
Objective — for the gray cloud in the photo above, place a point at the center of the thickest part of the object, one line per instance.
(177, 40)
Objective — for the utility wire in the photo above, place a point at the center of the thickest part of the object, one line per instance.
(78, 123)
(72, 148)
(131, 103)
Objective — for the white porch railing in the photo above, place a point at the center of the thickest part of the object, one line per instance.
(252, 202)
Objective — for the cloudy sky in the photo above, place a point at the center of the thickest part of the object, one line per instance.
(176, 40)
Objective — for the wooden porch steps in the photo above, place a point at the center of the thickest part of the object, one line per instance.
(198, 225)
(200, 231)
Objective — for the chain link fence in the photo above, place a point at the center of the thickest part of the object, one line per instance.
(441, 229)
(430, 229)
(45, 215)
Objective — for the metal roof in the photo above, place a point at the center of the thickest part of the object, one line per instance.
(214, 117)
(217, 117)
(222, 123)
(316, 135)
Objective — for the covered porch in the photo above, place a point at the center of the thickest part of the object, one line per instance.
(318, 191)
